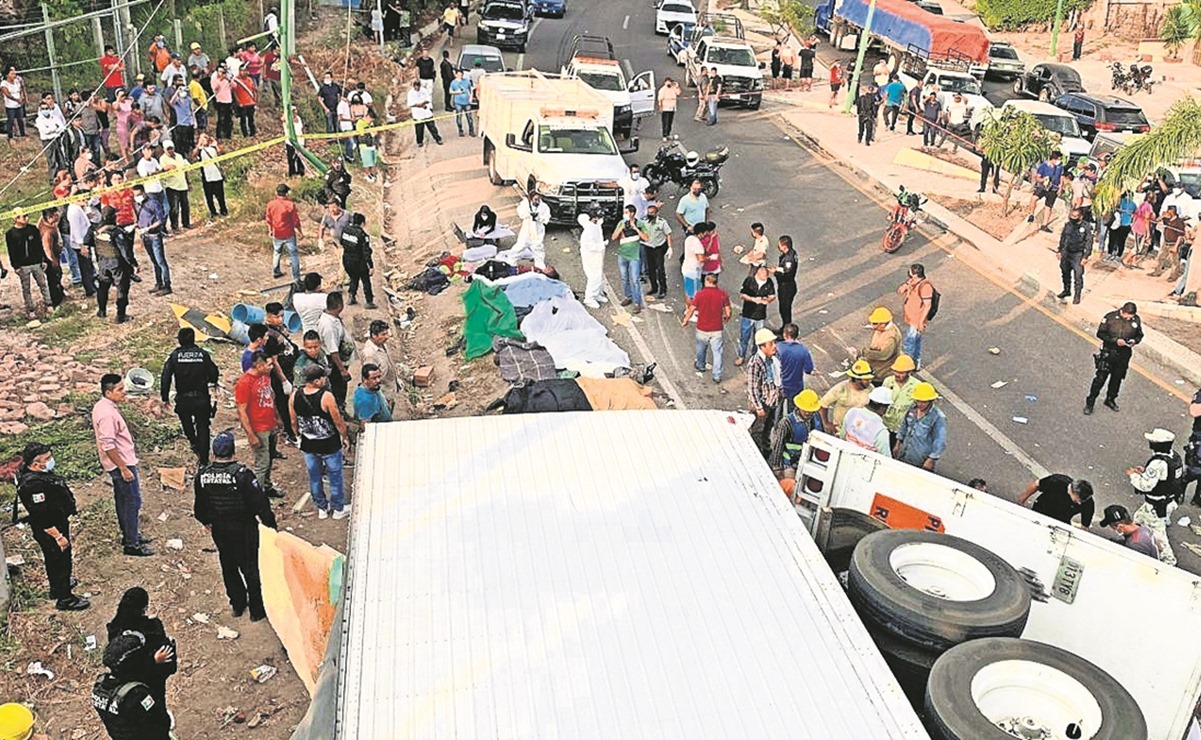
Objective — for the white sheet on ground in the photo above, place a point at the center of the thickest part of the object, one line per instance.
(574, 339)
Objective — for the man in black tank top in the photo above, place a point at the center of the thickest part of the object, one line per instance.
(322, 433)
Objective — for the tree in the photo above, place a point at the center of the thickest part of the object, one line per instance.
(788, 17)
(1015, 141)
(1177, 136)
(1177, 28)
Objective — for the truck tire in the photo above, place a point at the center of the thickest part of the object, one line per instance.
(847, 527)
(909, 664)
(493, 174)
(980, 687)
(935, 590)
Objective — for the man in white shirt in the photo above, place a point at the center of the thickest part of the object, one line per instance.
(345, 124)
(310, 304)
(80, 219)
(534, 215)
(956, 117)
(592, 255)
(50, 124)
(421, 106)
(148, 166)
(633, 187)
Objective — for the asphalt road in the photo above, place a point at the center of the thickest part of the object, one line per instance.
(1044, 360)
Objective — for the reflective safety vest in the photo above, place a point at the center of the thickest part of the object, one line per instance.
(800, 435)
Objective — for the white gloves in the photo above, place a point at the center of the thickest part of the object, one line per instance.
(287, 388)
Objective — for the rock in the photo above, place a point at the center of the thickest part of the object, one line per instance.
(48, 387)
(13, 415)
(64, 409)
(39, 411)
(12, 428)
(31, 398)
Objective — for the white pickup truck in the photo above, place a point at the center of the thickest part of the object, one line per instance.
(1125, 613)
(592, 59)
(950, 82)
(741, 74)
(552, 135)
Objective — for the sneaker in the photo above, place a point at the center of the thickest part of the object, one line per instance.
(322, 514)
(602, 298)
(166, 291)
(591, 303)
(369, 305)
(72, 603)
(141, 551)
(345, 512)
(440, 142)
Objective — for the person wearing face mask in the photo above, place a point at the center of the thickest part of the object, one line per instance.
(223, 99)
(592, 255)
(328, 95)
(51, 124)
(534, 215)
(1075, 245)
(50, 503)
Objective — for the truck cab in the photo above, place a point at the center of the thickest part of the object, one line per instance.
(719, 41)
(593, 60)
(950, 82)
(504, 24)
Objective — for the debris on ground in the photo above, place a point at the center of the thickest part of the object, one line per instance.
(174, 478)
(200, 617)
(175, 544)
(36, 669)
(994, 350)
(225, 633)
(263, 673)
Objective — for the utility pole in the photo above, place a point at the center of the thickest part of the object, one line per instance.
(1055, 29)
(98, 30)
(864, 40)
(287, 47)
(55, 81)
(118, 30)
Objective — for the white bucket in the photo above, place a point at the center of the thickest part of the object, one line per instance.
(138, 381)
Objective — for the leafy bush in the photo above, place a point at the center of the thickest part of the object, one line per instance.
(1014, 14)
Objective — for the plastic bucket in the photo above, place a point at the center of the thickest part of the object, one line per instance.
(239, 331)
(138, 382)
(250, 314)
(16, 722)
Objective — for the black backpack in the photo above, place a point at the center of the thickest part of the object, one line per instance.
(935, 301)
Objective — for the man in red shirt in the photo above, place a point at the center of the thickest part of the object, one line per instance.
(122, 202)
(272, 74)
(256, 412)
(283, 225)
(711, 306)
(246, 96)
(111, 67)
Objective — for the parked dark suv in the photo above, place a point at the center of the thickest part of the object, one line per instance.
(1103, 113)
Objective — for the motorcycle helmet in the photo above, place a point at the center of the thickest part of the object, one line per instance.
(692, 158)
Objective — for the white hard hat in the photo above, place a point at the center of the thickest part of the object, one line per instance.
(881, 395)
(692, 158)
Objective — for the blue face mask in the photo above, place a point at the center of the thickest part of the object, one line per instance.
(50, 465)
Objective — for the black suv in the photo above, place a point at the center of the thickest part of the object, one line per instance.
(1103, 113)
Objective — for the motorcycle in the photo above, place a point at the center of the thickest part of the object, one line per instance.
(1119, 79)
(677, 165)
(902, 219)
(1140, 78)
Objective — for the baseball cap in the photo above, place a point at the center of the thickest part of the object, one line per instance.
(194, 46)
(168, 144)
(1115, 513)
(223, 445)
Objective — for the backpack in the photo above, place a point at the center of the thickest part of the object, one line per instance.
(935, 301)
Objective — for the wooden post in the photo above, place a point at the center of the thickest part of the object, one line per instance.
(99, 31)
(221, 32)
(178, 36)
(55, 81)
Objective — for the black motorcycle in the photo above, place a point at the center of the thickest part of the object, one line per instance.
(1119, 79)
(676, 165)
(1140, 78)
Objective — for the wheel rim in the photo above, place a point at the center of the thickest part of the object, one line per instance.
(1033, 700)
(942, 572)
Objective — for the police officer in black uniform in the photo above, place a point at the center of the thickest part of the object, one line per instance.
(50, 502)
(356, 258)
(1119, 331)
(230, 503)
(122, 699)
(194, 373)
(112, 265)
(1192, 451)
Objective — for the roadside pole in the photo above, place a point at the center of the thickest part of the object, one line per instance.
(54, 80)
(864, 40)
(1055, 28)
(287, 43)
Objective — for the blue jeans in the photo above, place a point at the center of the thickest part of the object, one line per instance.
(912, 345)
(746, 330)
(631, 274)
(277, 246)
(128, 497)
(464, 112)
(71, 259)
(331, 122)
(155, 247)
(691, 286)
(706, 340)
(712, 110)
(320, 466)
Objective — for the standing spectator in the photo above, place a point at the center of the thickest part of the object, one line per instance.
(175, 182)
(111, 66)
(175, 70)
(758, 291)
(1047, 182)
(667, 98)
(12, 87)
(795, 361)
(446, 70)
(460, 91)
(346, 126)
(763, 389)
(282, 352)
(711, 307)
(917, 294)
(692, 259)
(1174, 230)
(159, 54)
(328, 94)
(1119, 332)
(422, 110)
(139, 87)
(806, 54)
(922, 438)
(195, 376)
(184, 110)
(693, 207)
(845, 395)
(702, 92)
(81, 220)
(894, 97)
(785, 276)
(931, 115)
(152, 226)
(149, 165)
(1123, 217)
(271, 26)
(1061, 498)
(1161, 484)
(375, 352)
(151, 103)
(51, 125)
(884, 346)
(913, 108)
(1075, 245)
(1078, 40)
(50, 504)
(198, 60)
(52, 246)
(283, 226)
(223, 99)
(122, 109)
(368, 155)
(629, 236)
(788, 63)
(310, 303)
(425, 71)
(295, 160)
(776, 63)
(337, 346)
(867, 108)
(256, 413)
(357, 259)
(252, 62)
(633, 191)
(657, 248)
(370, 406)
(211, 179)
(120, 461)
(318, 424)
(713, 94)
(28, 257)
(273, 74)
(333, 222)
(246, 95)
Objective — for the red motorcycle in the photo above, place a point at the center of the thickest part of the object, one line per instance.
(902, 219)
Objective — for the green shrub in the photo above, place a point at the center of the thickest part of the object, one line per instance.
(1015, 14)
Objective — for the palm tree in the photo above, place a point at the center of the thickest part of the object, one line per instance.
(1176, 137)
(1015, 141)
(1179, 25)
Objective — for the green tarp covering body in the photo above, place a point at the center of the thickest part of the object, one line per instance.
(489, 314)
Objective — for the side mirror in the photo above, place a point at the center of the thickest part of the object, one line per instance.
(631, 146)
(762, 65)
(511, 141)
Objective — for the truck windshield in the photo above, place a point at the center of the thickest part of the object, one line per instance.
(602, 81)
(1064, 125)
(734, 57)
(967, 85)
(575, 141)
(499, 12)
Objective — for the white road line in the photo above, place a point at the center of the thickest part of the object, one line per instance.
(625, 25)
(628, 67)
(644, 349)
(520, 62)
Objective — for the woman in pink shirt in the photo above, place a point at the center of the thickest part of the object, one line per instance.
(223, 99)
(122, 109)
(254, 63)
(1144, 217)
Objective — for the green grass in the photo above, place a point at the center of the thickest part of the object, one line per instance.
(68, 324)
(147, 348)
(70, 438)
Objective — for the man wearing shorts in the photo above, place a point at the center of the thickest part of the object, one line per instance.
(1046, 188)
(788, 62)
(450, 19)
(806, 55)
(836, 78)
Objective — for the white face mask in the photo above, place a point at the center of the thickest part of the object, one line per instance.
(633, 175)
(328, 80)
(139, 198)
(50, 465)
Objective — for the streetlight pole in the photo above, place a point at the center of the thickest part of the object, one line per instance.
(287, 47)
(1055, 28)
(864, 40)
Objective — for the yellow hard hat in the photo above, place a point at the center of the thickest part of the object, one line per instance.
(807, 400)
(860, 370)
(880, 315)
(924, 392)
(903, 364)
(763, 336)
(16, 721)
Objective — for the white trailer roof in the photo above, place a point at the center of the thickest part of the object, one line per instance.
(594, 575)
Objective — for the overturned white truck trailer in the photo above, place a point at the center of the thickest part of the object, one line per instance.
(640, 574)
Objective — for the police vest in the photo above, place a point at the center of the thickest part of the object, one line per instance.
(108, 698)
(862, 427)
(219, 484)
(1170, 488)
